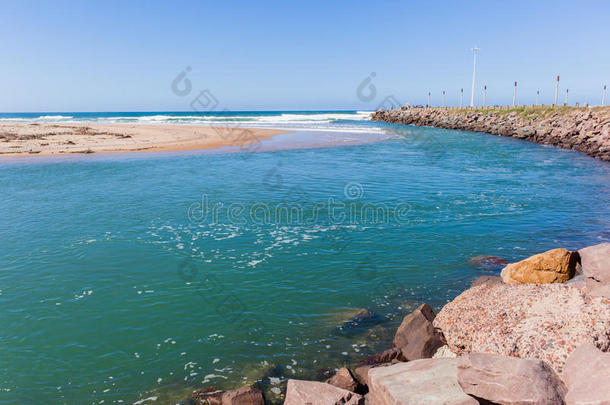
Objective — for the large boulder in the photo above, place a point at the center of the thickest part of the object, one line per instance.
(344, 379)
(416, 336)
(587, 376)
(301, 392)
(543, 322)
(509, 380)
(425, 381)
(240, 396)
(554, 266)
(595, 264)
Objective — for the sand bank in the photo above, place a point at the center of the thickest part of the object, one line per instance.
(45, 139)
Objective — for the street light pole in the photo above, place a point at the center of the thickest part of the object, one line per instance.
(462, 96)
(484, 95)
(443, 98)
(604, 95)
(566, 102)
(515, 95)
(537, 96)
(474, 72)
(556, 90)
(428, 99)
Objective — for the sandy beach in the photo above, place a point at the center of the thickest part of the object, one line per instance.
(45, 139)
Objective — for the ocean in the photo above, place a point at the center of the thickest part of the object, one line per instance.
(140, 277)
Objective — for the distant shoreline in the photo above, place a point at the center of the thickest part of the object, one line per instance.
(60, 139)
(585, 129)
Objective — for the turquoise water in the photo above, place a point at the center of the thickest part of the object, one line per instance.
(116, 285)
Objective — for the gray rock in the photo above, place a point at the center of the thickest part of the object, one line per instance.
(509, 380)
(577, 282)
(587, 376)
(301, 392)
(444, 353)
(595, 263)
(416, 336)
(425, 381)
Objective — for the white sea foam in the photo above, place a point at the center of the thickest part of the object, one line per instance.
(296, 119)
(42, 118)
(54, 117)
(145, 400)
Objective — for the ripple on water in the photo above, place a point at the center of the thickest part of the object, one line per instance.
(105, 275)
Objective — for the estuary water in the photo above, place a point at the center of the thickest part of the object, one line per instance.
(136, 278)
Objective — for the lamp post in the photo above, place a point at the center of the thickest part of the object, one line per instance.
(566, 102)
(556, 90)
(443, 98)
(604, 95)
(537, 96)
(474, 72)
(462, 96)
(484, 95)
(428, 105)
(515, 95)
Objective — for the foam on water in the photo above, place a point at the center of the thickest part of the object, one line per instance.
(209, 118)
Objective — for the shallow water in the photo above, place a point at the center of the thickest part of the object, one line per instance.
(116, 285)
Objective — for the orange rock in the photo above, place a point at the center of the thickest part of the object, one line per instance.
(554, 266)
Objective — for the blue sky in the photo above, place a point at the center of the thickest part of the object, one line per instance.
(123, 56)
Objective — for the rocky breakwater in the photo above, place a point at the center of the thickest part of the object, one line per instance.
(585, 129)
(537, 334)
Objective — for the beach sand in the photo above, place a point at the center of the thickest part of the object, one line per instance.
(45, 139)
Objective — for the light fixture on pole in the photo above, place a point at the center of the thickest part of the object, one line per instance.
(566, 102)
(484, 95)
(443, 98)
(462, 96)
(474, 73)
(604, 95)
(428, 105)
(537, 96)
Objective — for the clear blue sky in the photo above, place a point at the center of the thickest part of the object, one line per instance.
(123, 55)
